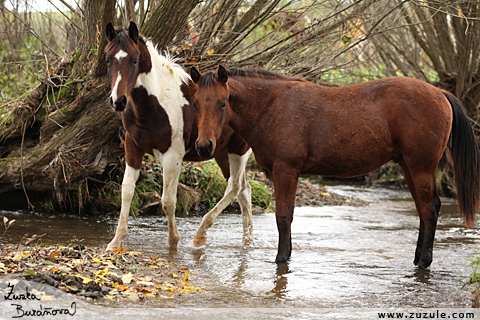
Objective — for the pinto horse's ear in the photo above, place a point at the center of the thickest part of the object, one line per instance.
(195, 74)
(133, 31)
(110, 32)
(222, 74)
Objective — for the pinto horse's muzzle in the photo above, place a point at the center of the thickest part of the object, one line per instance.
(205, 151)
(120, 104)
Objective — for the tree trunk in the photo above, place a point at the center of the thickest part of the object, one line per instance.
(108, 9)
(171, 18)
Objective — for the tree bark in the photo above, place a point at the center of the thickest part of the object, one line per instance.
(92, 10)
(170, 18)
(108, 9)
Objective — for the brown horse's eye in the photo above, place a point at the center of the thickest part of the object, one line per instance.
(195, 106)
(108, 61)
(223, 106)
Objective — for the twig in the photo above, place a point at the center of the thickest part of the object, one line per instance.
(71, 9)
(81, 30)
(30, 205)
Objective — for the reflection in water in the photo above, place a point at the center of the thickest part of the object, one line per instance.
(280, 283)
(422, 275)
(342, 257)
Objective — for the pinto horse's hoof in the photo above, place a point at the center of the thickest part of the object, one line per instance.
(111, 247)
(199, 241)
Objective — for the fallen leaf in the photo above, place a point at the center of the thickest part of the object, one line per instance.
(54, 254)
(122, 287)
(127, 278)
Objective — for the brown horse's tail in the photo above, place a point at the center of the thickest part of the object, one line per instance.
(466, 162)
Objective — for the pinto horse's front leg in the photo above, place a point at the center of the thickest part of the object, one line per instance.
(285, 180)
(172, 165)
(238, 186)
(128, 189)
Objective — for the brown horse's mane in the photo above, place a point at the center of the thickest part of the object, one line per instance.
(123, 40)
(209, 78)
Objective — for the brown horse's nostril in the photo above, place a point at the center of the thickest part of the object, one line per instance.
(206, 151)
(121, 103)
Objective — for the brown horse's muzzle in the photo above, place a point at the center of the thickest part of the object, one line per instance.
(205, 150)
(120, 104)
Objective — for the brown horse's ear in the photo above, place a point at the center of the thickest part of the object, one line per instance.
(222, 74)
(195, 74)
(133, 31)
(110, 32)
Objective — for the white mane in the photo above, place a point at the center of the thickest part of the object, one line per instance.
(166, 62)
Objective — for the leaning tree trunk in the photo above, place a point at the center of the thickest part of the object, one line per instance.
(63, 134)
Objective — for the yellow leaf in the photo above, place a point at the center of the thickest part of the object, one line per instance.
(120, 250)
(127, 278)
(210, 51)
(96, 260)
(85, 279)
(54, 254)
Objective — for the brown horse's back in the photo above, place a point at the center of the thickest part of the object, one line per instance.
(361, 126)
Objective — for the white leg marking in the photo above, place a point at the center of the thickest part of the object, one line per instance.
(172, 164)
(237, 184)
(128, 189)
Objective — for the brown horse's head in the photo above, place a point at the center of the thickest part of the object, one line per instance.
(211, 102)
(126, 56)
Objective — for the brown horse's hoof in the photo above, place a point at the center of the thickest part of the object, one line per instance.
(199, 241)
(281, 258)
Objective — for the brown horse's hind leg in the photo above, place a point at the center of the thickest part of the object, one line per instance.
(411, 188)
(285, 180)
(424, 192)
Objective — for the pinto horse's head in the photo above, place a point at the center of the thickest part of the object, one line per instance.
(126, 56)
(211, 102)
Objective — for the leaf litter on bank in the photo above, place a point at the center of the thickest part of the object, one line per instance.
(93, 273)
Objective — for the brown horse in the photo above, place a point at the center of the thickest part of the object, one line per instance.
(153, 94)
(295, 126)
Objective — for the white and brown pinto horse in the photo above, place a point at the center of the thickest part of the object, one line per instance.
(153, 94)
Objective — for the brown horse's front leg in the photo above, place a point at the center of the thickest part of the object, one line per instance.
(285, 179)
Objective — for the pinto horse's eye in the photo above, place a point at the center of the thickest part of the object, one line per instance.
(134, 62)
(108, 61)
